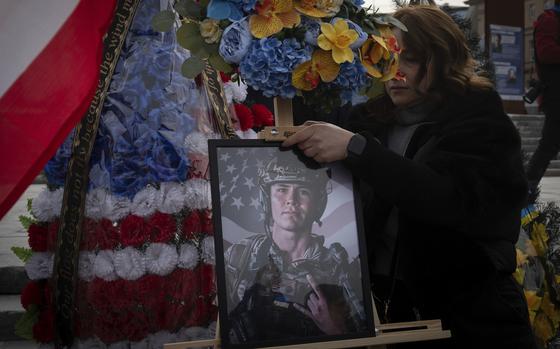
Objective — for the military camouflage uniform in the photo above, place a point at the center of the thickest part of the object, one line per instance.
(262, 288)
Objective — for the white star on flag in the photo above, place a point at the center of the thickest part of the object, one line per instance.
(249, 183)
(224, 157)
(237, 203)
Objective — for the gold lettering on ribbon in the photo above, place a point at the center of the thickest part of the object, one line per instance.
(217, 98)
(77, 179)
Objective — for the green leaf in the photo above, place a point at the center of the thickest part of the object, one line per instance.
(29, 205)
(188, 9)
(395, 22)
(163, 21)
(219, 64)
(26, 221)
(24, 325)
(192, 67)
(376, 89)
(22, 253)
(188, 36)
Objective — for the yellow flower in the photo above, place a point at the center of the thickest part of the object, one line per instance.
(318, 8)
(210, 30)
(521, 257)
(273, 16)
(338, 38)
(307, 75)
(380, 55)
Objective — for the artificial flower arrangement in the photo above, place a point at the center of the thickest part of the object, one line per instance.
(328, 51)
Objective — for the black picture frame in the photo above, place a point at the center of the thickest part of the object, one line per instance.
(256, 314)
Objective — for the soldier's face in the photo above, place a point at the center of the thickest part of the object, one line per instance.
(291, 204)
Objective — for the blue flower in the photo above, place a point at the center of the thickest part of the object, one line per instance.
(358, 3)
(351, 78)
(224, 9)
(269, 64)
(312, 29)
(55, 170)
(236, 40)
(362, 36)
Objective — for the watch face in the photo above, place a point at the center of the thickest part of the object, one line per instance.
(356, 145)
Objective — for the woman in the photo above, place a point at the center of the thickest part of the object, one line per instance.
(442, 161)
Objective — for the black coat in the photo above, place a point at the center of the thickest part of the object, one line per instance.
(459, 203)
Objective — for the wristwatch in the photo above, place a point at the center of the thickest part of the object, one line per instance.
(356, 146)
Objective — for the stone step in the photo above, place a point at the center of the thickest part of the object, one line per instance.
(10, 312)
(12, 280)
(19, 344)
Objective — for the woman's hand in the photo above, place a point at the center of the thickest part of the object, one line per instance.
(321, 141)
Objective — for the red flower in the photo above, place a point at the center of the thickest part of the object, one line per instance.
(172, 315)
(52, 235)
(225, 77)
(49, 296)
(107, 235)
(192, 225)
(206, 274)
(107, 296)
(201, 313)
(207, 225)
(89, 240)
(43, 330)
(245, 116)
(182, 285)
(149, 291)
(32, 294)
(136, 326)
(37, 237)
(109, 326)
(162, 227)
(263, 116)
(133, 231)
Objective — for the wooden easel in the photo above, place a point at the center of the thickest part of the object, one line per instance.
(390, 333)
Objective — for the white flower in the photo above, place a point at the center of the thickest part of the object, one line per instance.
(85, 265)
(130, 263)
(144, 202)
(172, 197)
(39, 266)
(236, 91)
(97, 201)
(197, 142)
(161, 259)
(188, 256)
(197, 194)
(158, 339)
(103, 267)
(208, 254)
(46, 206)
(120, 208)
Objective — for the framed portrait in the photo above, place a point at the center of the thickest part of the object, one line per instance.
(290, 251)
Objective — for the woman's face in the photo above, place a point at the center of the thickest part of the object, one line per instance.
(402, 92)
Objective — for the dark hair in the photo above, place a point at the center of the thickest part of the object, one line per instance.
(435, 40)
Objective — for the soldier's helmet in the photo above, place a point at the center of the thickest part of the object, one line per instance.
(286, 168)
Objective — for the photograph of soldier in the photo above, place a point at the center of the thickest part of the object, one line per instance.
(285, 282)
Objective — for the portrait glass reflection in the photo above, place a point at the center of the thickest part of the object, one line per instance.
(288, 247)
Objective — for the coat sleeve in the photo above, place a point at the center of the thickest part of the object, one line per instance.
(473, 176)
(547, 38)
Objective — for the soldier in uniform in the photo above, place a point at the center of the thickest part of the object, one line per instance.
(285, 282)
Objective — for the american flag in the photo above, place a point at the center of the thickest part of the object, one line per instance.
(241, 210)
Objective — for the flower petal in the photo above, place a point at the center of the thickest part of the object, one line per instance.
(340, 26)
(392, 70)
(341, 55)
(309, 9)
(329, 31)
(325, 65)
(281, 6)
(351, 34)
(324, 43)
(371, 70)
(376, 53)
(261, 26)
(302, 77)
(289, 19)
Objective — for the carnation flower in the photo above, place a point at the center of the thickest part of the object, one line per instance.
(197, 194)
(52, 235)
(145, 202)
(107, 235)
(188, 256)
(208, 254)
(32, 293)
(86, 266)
(263, 116)
(161, 259)
(172, 197)
(245, 116)
(37, 237)
(162, 227)
(268, 65)
(235, 42)
(130, 263)
(235, 91)
(134, 231)
(104, 267)
(39, 266)
(47, 205)
(43, 329)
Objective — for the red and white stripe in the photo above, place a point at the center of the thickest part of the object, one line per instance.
(50, 52)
